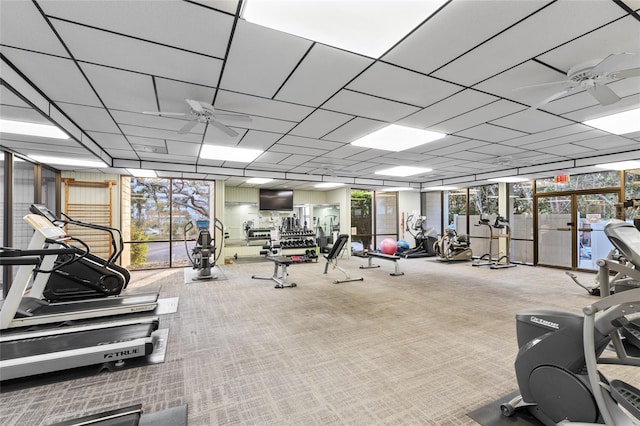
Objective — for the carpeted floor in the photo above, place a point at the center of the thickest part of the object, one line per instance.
(426, 348)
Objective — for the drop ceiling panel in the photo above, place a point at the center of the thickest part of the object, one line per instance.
(62, 81)
(445, 35)
(575, 101)
(561, 21)
(296, 160)
(596, 111)
(350, 102)
(252, 105)
(620, 36)
(608, 142)
(53, 149)
(121, 154)
(261, 59)
(453, 106)
(183, 148)
(328, 68)
(112, 50)
(445, 142)
(355, 129)
(289, 149)
(110, 141)
(259, 140)
(458, 147)
(172, 94)
(125, 17)
(353, 153)
(568, 150)
(172, 124)
(167, 158)
(10, 112)
(271, 157)
(578, 137)
(498, 149)
(147, 132)
(123, 90)
(531, 121)
(90, 118)
(397, 84)
(488, 132)
(474, 157)
(477, 116)
(29, 31)
(310, 142)
(549, 134)
(319, 123)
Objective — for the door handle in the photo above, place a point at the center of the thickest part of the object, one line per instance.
(585, 229)
(563, 229)
(570, 224)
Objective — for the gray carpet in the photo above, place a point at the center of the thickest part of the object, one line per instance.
(216, 275)
(427, 348)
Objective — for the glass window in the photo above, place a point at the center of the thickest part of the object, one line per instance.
(483, 204)
(362, 218)
(386, 216)
(607, 179)
(48, 188)
(2, 215)
(457, 210)
(521, 221)
(432, 209)
(23, 196)
(632, 192)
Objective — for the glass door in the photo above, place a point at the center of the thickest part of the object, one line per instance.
(554, 230)
(571, 229)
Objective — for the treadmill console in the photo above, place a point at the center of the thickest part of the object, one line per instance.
(43, 210)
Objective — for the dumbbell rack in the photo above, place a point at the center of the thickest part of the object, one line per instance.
(299, 244)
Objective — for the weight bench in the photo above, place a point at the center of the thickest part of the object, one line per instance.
(332, 259)
(391, 257)
(281, 282)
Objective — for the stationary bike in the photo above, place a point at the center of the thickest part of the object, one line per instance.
(83, 275)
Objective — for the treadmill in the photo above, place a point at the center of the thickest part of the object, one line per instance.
(49, 349)
(20, 310)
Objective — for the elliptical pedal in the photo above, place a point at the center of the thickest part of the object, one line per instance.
(627, 396)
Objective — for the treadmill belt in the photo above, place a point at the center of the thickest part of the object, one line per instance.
(81, 339)
(91, 304)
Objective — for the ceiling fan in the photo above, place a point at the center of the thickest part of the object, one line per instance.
(202, 112)
(594, 78)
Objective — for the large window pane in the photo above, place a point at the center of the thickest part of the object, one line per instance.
(608, 179)
(457, 211)
(632, 192)
(483, 204)
(521, 221)
(48, 188)
(191, 202)
(361, 218)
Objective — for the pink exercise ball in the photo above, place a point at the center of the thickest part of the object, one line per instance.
(388, 246)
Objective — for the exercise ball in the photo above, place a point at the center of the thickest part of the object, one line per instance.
(402, 245)
(388, 246)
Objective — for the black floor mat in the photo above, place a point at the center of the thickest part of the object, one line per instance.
(490, 415)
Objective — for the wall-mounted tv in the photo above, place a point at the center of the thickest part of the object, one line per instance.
(276, 199)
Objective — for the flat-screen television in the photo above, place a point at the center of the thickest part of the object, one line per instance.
(276, 199)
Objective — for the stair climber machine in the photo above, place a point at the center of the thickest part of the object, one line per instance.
(22, 310)
(91, 276)
(203, 256)
(49, 347)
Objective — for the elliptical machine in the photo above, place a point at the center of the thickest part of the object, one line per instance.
(83, 275)
(203, 256)
(453, 247)
(556, 367)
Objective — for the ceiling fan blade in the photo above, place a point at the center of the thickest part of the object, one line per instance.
(615, 62)
(632, 72)
(195, 105)
(164, 113)
(536, 86)
(187, 127)
(235, 117)
(603, 94)
(553, 97)
(229, 131)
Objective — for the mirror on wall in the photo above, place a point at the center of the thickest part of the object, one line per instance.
(326, 224)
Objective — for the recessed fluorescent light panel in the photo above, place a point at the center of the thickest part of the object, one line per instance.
(258, 181)
(366, 27)
(618, 124)
(32, 129)
(229, 153)
(403, 171)
(329, 185)
(397, 138)
(622, 165)
(439, 188)
(509, 179)
(143, 173)
(68, 161)
(396, 189)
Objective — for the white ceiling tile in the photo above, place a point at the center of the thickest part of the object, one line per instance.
(62, 81)
(90, 118)
(125, 17)
(531, 121)
(367, 106)
(167, 158)
(624, 34)
(172, 124)
(608, 142)
(296, 160)
(122, 154)
(548, 134)
(477, 116)
(458, 147)
(271, 157)
(121, 90)
(452, 106)
(22, 113)
(183, 148)
(577, 137)
(498, 149)
(172, 94)
(100, 47)
(328, 68)
(596, 111)
(397, 84)
(147, 132)
(261, 59)
(561, 21)
(110, 141)
(291, 149)
(445, 35)
(22, 25)
(487, 132)
(229, 6)
(310, 142)
(355, 129)
(568, 150)
(473, 157)
(253, 105)
(259, 140)
(319, 123)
